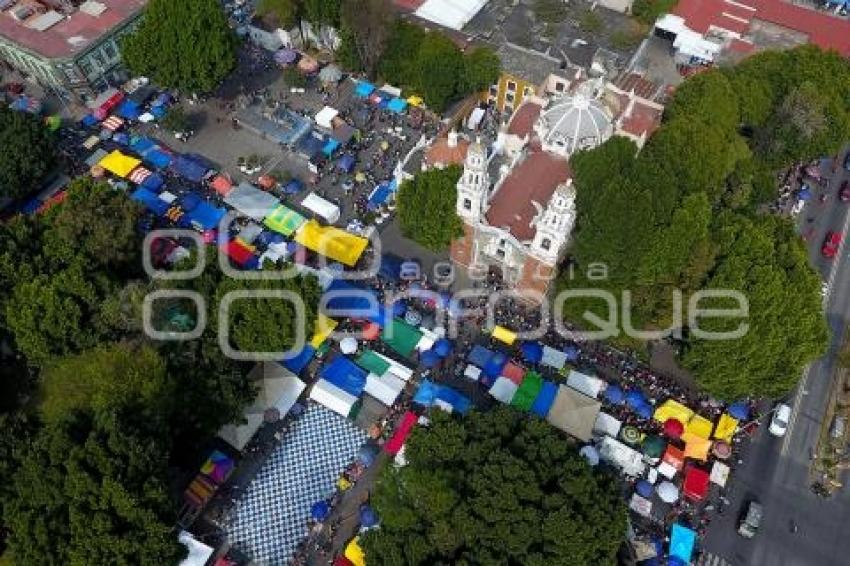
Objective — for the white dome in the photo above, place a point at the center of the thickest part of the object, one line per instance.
(574, 123)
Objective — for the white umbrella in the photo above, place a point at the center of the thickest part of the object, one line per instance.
(590, 454)
(668, 492)
(348, 345)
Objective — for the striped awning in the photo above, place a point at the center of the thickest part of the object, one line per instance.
(139, 175)
(113, 123)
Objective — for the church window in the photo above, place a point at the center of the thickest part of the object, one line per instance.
(546, 244)
(467, 204)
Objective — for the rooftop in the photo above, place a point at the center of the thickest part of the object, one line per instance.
(533, 180)
(742, 16)
(522, 121)
(443, 152)
(527, 64)
(34, 26)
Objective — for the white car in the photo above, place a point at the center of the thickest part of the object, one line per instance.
(779, 422)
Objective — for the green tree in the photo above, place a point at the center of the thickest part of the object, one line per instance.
(436, 192)
(327, 12)
(708, 98)
(28, 153)
(647, 11)
(481, 69)
(495, 488)
(184, 44)
(441, 67)
(369, 23)
(283, 13)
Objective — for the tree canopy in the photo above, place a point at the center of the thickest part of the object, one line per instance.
(494, 488)
(28, 153)
(436, 192)
(685, 215)
(184, 44)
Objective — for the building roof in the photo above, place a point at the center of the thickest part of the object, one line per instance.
(533, 180)
(522, 121)
(641, 86)
(441, 152)
(527, 64)
(574, 123)
(641, 120)
(736, 16)
(453, 14)
(71, 34)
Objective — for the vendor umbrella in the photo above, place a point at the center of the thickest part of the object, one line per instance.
(614, 395)
(571, 351)
(371, 331)
(673, 428)
(320, 510)
(591, 454)
(412, 317)
(630, 434)
(443, 347)
(532, 352)
(330, 74)
(635, 398)
(721, 449)
(399, 308)
(644, 411)
(739, 410)
(368, 518)
(429, 359)
(643, 488)
(653, 446)
(348, 345)
(668, 492)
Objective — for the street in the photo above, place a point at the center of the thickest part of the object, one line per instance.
(775, 470)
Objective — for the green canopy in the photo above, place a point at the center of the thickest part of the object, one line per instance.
(284, 220)
(373, 363)
(401, 337)
(653, 446)
(527, 392)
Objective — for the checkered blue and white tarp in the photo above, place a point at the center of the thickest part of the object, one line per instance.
(270, 518)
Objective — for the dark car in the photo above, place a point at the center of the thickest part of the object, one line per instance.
(844, 191)
(830, 244)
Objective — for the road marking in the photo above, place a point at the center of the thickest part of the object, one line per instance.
(801, 389)
(709, 559)
(838, 257)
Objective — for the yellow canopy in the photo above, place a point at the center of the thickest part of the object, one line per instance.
(119, 164)
(505, 335)
(671, 409)
(415, 100)
(331, 242)
(726, 427)
(699, 426)
(355, 553)
(696, 446)
(322, 329)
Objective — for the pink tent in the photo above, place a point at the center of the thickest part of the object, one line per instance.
(405, 427)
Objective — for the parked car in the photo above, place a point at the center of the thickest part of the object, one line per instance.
(749, 525)
(779, 422)
(831, 244)
(844, 191)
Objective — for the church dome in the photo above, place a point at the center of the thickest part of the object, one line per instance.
(573, 123)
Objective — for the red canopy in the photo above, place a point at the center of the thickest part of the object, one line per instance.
(405, 427)
(513, 372)
(238, 252)
(371, 331)
(696, 483)
(342, 561)
(673, 428)
(674, 456)
(221, 185)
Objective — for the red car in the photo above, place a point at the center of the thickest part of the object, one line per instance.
(844, 191)
(830, 244)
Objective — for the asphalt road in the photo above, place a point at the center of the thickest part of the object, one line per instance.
(775, 470)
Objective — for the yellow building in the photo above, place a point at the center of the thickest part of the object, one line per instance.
(525, 72)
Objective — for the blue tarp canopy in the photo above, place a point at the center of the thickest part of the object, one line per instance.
(682, 541)
(430, 392)
(297, 362)
(390, 268)
(345, 374)
(364, 89)
(479, 356)
(154, 182)
(189, 169)
(158, 158)
(129, 109)
(205, 216)
(532, 352)
(614, 394)
(309, 146)
(88, 120)
(330, 146)
(121, 138)
(294, 186)
(150, 200)
(545, 398)
(430, 359)
(571, 351)
(352, 301)
(31, 206)
(806, 192)
(190, 200)
(140, 145)
(397, 105)
(443, 347)
(739, 410)
(158, 111)
(346, 163)
(379, 195)
(493, 367)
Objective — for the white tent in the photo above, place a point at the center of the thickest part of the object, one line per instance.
(475, 118)
(385, 388)
(719, 474)
(321, 207)
(503, 389)
(348, 345)
(325, 117)
(453, 14)
(199, 553)
(586, 384)
(472, 372)
(628, 460)
(402, 372)
(606, 425)
(327, 394)
(553, 358)
(251, 201)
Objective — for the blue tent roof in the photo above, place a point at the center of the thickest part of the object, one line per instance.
(88, 120)
(310, 145)
(571, 351)
(682, 541)
(390, 267)
(397, 105)
(344, 299)
(320, 511)
(429, 392)
(297, 362)
(345, 374)
(479, 356)
(158, 158)
(368, 518)
(189, 169)
(122, 138)
(532, 352)
(614, 394)
(443, 347)
(635, 398)
(205, 216)
(494, 365)
(430, 359)
(739, 410)
(154, 182)
(150, 200)
(545, 398)
(158, 111)
(293, 186)
(379, 195)
(346, 163)
(129, 109)
(363, 89)
(644, 411)
(142, 144)
(330, 146)
(190, 200)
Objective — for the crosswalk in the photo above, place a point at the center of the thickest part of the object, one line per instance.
(709, 559)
